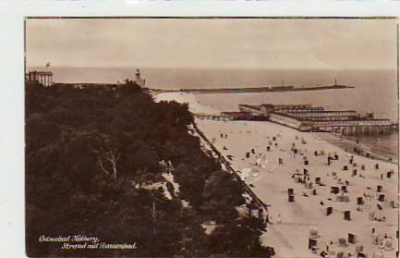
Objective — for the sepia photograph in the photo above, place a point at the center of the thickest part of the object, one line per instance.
(211, 137)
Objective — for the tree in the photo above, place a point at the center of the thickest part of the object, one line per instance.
(93, 167)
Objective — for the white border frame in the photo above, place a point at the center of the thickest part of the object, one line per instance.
(12, 14)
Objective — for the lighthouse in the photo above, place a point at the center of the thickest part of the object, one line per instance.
(138, 80)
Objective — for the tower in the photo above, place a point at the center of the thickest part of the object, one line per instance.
(138, 80)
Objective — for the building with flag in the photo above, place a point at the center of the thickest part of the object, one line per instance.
(41, 77)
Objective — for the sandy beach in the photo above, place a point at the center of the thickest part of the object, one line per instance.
(273, 159)
(271, 182)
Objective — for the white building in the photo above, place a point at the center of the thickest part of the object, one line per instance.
(44, 78)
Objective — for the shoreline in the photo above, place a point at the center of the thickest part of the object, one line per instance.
(367, 145)
(270, 181)
(245, 146)
(348, 144)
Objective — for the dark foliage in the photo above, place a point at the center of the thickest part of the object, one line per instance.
(89, 152)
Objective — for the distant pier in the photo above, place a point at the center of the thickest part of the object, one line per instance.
(287, 88)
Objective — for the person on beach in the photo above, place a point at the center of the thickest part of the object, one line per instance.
(329, 160)
(279, 218)
(376, 240)
(314, 249)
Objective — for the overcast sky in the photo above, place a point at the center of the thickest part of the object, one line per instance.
(213, 43)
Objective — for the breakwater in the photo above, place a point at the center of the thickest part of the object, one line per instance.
(257, 89)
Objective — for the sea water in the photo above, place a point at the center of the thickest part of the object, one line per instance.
(374, 91)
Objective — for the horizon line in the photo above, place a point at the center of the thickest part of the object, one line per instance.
(206, 68)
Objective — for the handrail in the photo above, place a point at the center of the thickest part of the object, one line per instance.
(222, 159)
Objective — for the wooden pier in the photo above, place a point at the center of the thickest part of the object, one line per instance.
(216, 117)
(336, 121)
(365, 130)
